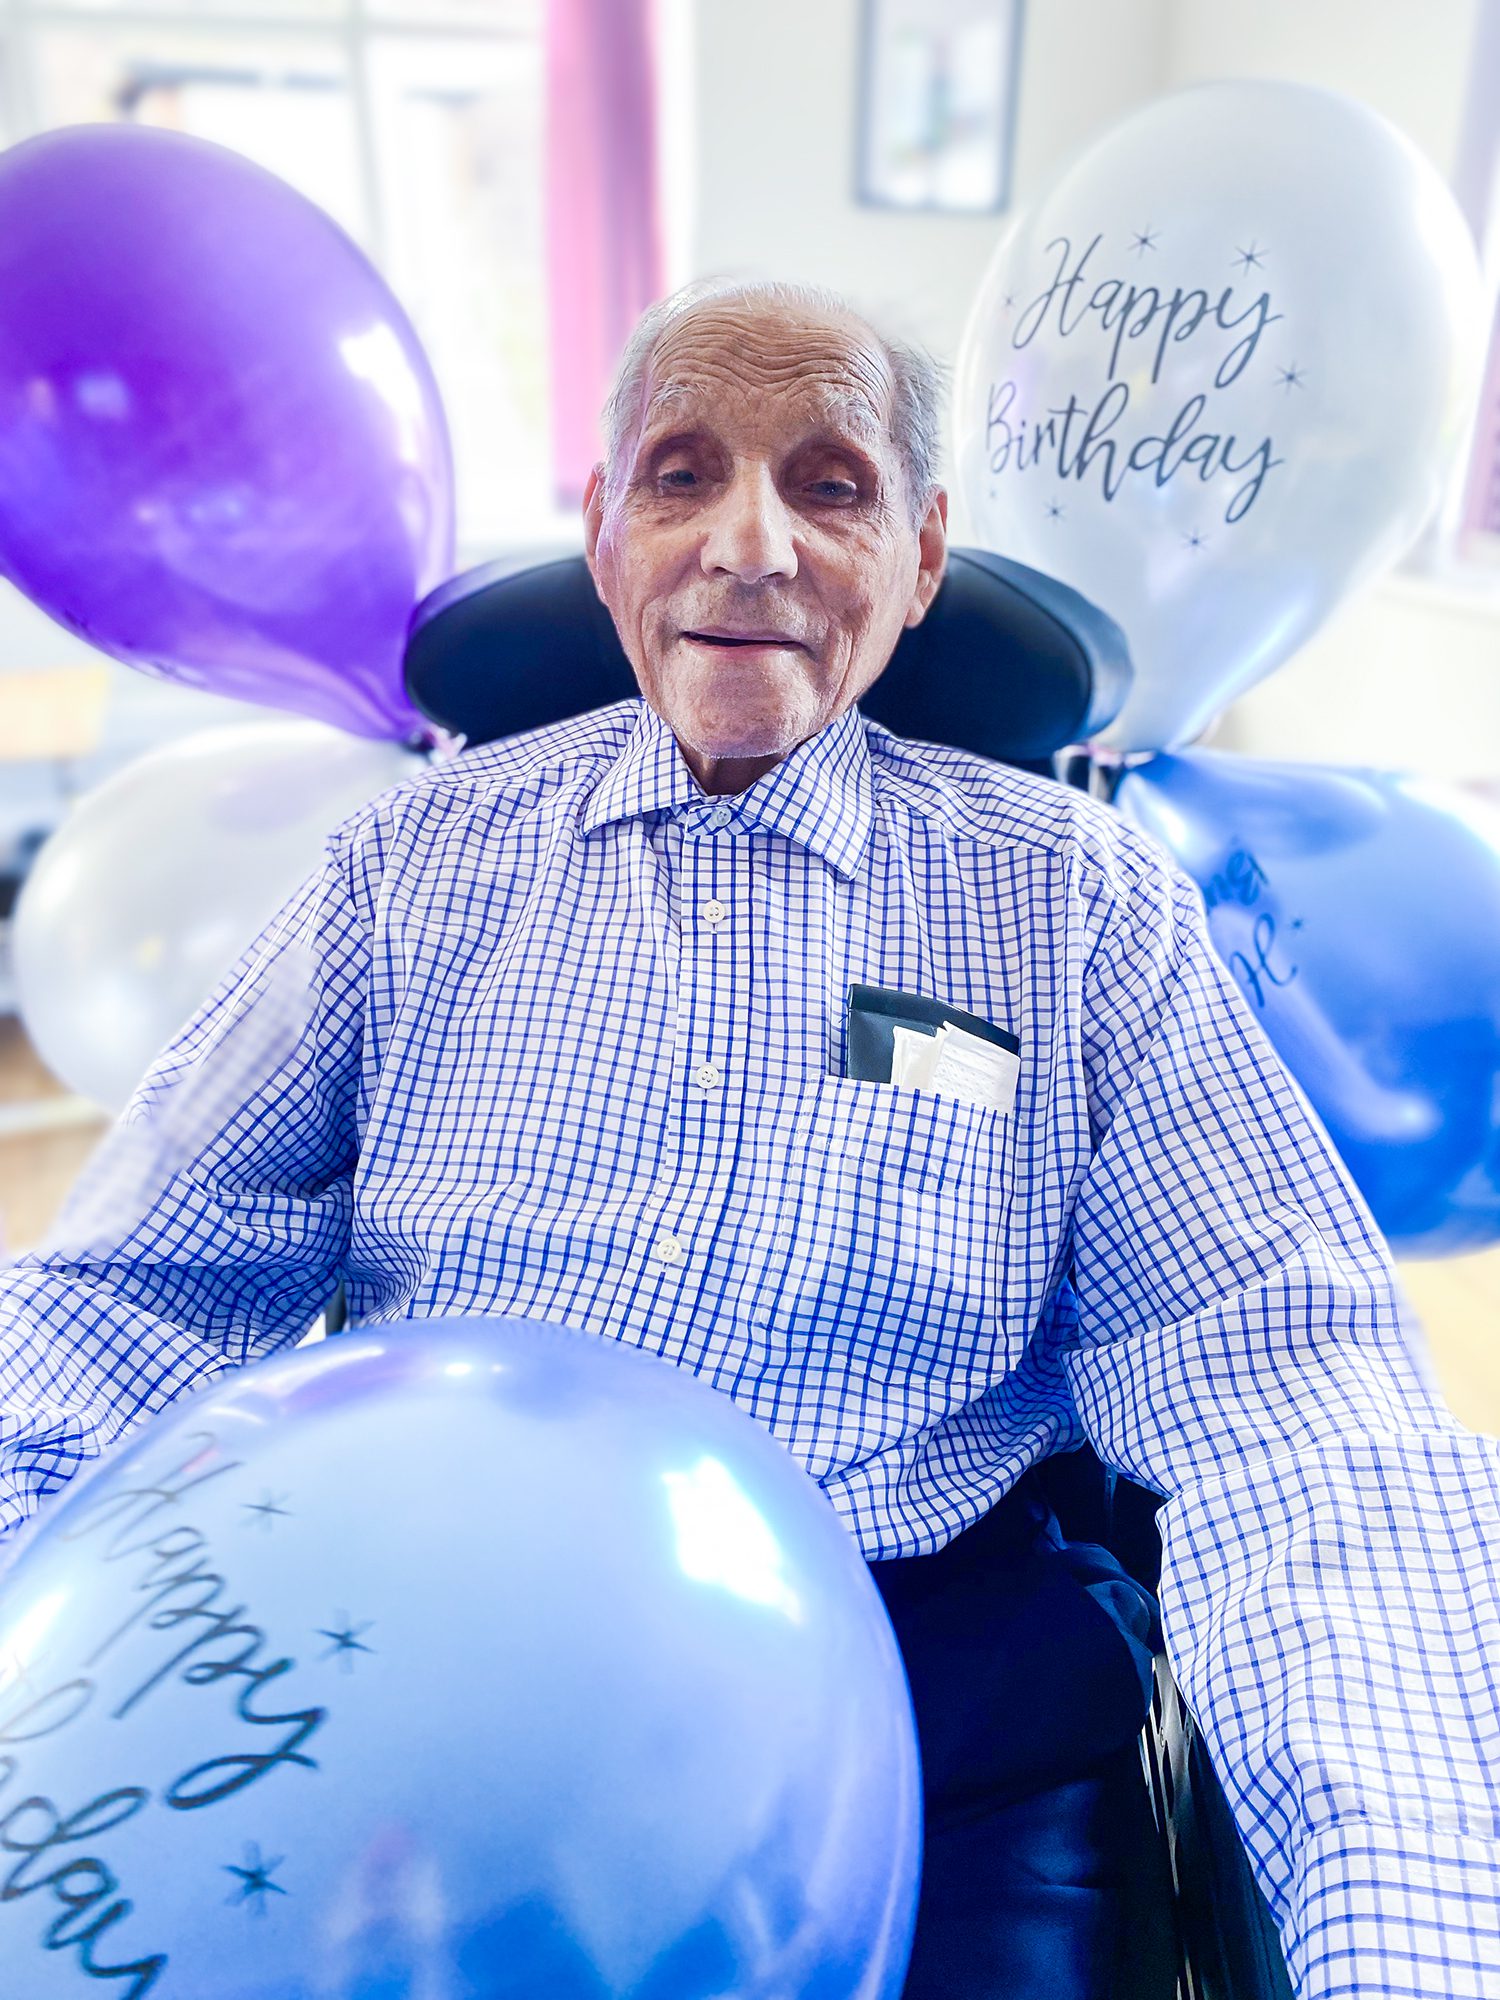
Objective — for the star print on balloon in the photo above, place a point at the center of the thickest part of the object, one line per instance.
(255, 1882)
(346, 1640)
(267, 1508)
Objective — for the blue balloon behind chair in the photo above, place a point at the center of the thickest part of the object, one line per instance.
(456, 1660)
(1360, 913)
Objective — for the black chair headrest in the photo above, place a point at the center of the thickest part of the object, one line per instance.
(1007, 663)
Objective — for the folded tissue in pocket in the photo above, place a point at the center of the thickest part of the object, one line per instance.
(921, 1044)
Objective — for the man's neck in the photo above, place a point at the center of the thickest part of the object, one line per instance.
(721, 776)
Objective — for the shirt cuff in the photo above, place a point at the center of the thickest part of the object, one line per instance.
(1395, 1913)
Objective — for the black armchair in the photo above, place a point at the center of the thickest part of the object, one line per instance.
(1016, 667)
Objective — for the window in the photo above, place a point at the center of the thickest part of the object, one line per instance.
(417, 124)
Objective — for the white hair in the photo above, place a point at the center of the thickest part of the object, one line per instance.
(917, 379)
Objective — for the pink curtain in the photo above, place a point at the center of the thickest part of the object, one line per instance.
(1474, 183)
(1482, 494)
(604, 255)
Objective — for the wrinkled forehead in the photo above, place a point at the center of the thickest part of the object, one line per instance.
(778, 370)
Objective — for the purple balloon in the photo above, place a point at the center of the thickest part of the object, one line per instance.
(223, 457)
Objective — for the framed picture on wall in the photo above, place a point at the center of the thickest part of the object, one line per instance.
(937, 103)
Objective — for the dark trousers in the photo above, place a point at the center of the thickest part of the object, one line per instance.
(1043, 1877)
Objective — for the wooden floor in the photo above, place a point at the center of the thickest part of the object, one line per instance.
(1456, 1298)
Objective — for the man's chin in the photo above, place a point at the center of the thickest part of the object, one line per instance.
(725, 730)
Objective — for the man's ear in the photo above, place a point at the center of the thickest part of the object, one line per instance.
(593, 519)
(932, 551)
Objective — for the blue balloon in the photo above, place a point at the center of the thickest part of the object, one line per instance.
(468, 1659)
(1360, 913)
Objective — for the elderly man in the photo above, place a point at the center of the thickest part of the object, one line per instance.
(579, 1047)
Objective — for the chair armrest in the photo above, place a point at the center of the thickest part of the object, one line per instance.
(1230, 1945)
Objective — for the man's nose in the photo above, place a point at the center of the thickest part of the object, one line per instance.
(749, 533)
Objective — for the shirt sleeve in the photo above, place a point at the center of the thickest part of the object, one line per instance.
(1238, 1342)
(211, 1225)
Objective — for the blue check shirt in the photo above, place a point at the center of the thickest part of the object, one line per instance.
(570, 1043)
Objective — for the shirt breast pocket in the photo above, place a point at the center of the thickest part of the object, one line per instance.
(881, 1280)
(887, 1135)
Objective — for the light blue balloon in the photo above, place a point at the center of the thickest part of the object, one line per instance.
(1360, 913)
(468, 1659)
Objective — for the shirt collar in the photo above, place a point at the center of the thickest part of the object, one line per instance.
(822, 796)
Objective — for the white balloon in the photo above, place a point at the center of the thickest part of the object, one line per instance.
(1215, 378)
(159, 878)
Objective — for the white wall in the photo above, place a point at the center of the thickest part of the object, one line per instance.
(1404, 677)
(1407, 59)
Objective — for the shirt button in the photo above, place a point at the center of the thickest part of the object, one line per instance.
(669, 1249)
(720, 816)
(707, 1075)
(714, 912)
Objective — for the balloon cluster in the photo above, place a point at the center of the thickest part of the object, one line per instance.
(1215, 378)
(1212, 382)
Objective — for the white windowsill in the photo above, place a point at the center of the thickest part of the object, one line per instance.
(1471, 590)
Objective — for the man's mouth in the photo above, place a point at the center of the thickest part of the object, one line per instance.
(713, 635)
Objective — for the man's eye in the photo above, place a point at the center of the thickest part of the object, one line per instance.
(841, 490)
(679, 477)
